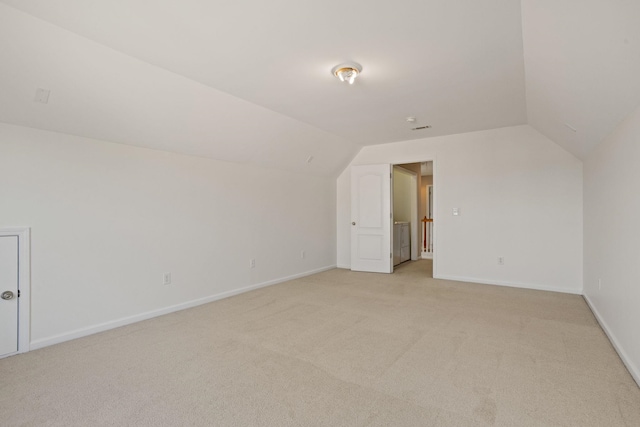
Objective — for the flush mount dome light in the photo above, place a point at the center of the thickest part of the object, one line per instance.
(347, 72)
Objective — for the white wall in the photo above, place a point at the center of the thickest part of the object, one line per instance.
(402, 195)
(612, 238)
(108, 219)
(520, 197)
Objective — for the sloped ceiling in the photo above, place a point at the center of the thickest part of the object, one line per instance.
(249, 80)
(582, 61)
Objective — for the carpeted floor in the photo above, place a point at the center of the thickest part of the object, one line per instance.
(337, 349)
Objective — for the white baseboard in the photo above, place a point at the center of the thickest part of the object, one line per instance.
(346, 266)
(82, 332)
(426, 255)
(509, 284)
(631, 367)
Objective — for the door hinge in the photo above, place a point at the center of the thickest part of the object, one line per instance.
(18, 293)
(390, 254)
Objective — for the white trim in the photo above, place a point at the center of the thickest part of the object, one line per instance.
(347, 266)
(633, 369)
(24, 284)
(82, 332)
(536, 287)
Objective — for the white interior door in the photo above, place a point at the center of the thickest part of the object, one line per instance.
(371, 218)
(9, 294)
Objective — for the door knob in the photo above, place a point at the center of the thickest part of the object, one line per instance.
(7, 295)
(353, 223)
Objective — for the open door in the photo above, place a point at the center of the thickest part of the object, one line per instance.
(371, 218)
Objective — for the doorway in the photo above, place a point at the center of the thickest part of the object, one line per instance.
(372, 216)
(405, 213)
(422, 229)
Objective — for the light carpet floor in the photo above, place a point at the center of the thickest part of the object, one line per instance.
(337, 349)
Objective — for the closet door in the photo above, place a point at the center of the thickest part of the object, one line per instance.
(8, 294)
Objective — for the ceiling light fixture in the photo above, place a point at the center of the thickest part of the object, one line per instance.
(347, 72)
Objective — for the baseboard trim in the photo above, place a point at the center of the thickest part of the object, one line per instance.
(345, 266)
(631, 367)
(112, 324)
(508, 284)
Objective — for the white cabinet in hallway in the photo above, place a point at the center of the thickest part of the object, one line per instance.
(401, 242)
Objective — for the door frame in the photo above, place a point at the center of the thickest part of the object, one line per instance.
(431, 159)
(24, 285)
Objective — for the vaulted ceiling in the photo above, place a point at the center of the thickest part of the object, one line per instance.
(250, 80)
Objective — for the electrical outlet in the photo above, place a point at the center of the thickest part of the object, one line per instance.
(166, 279)
(252, 263)
(302, 254)
(500, 260)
